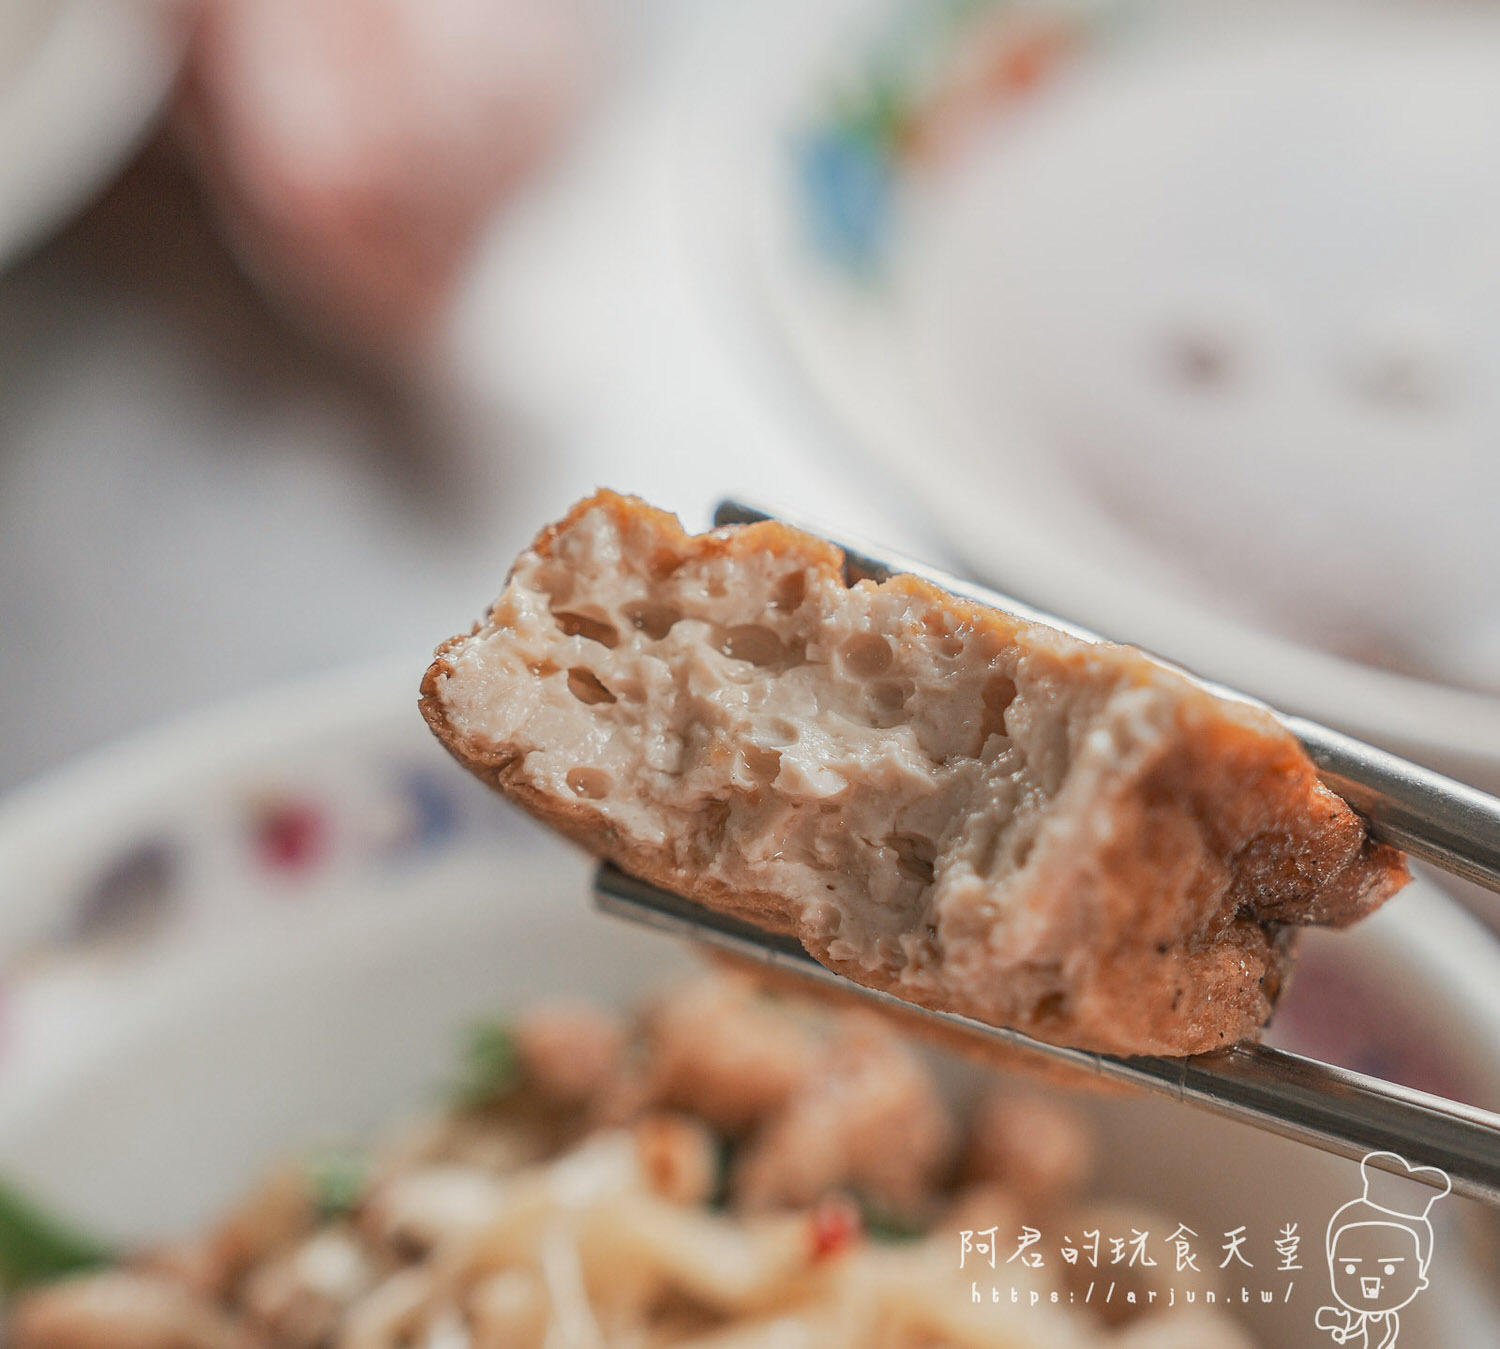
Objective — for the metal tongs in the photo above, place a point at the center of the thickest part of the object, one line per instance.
(1429, 816)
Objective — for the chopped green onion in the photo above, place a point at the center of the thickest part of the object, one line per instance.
(336, 1179)
(723, 1161)
(882, 1224)
(36, 1247)
(490, 1067)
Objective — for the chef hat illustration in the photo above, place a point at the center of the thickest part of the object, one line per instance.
(1394, 1192)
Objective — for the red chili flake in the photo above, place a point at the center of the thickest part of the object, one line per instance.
(832, 1228)
(290, 835)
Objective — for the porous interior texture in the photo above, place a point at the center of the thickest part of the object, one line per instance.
(976, 813)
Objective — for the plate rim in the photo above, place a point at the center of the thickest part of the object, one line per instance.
(1448, 726)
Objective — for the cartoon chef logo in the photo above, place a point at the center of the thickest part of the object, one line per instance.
(1379, 1247)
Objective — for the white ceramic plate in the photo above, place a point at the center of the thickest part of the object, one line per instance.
(905, 362)
(80, 82)
(261, 928)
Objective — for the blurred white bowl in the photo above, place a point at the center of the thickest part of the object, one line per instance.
(260, 928)
(80, 82)
(920, 366)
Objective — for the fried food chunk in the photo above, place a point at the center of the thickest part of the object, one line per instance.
(971, 811)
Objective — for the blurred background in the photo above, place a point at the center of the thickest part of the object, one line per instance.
(1180, 318)
(311, 312)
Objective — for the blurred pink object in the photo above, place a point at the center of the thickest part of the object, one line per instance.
(357, 146)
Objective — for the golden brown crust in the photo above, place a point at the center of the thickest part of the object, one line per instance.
(1220, 842)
